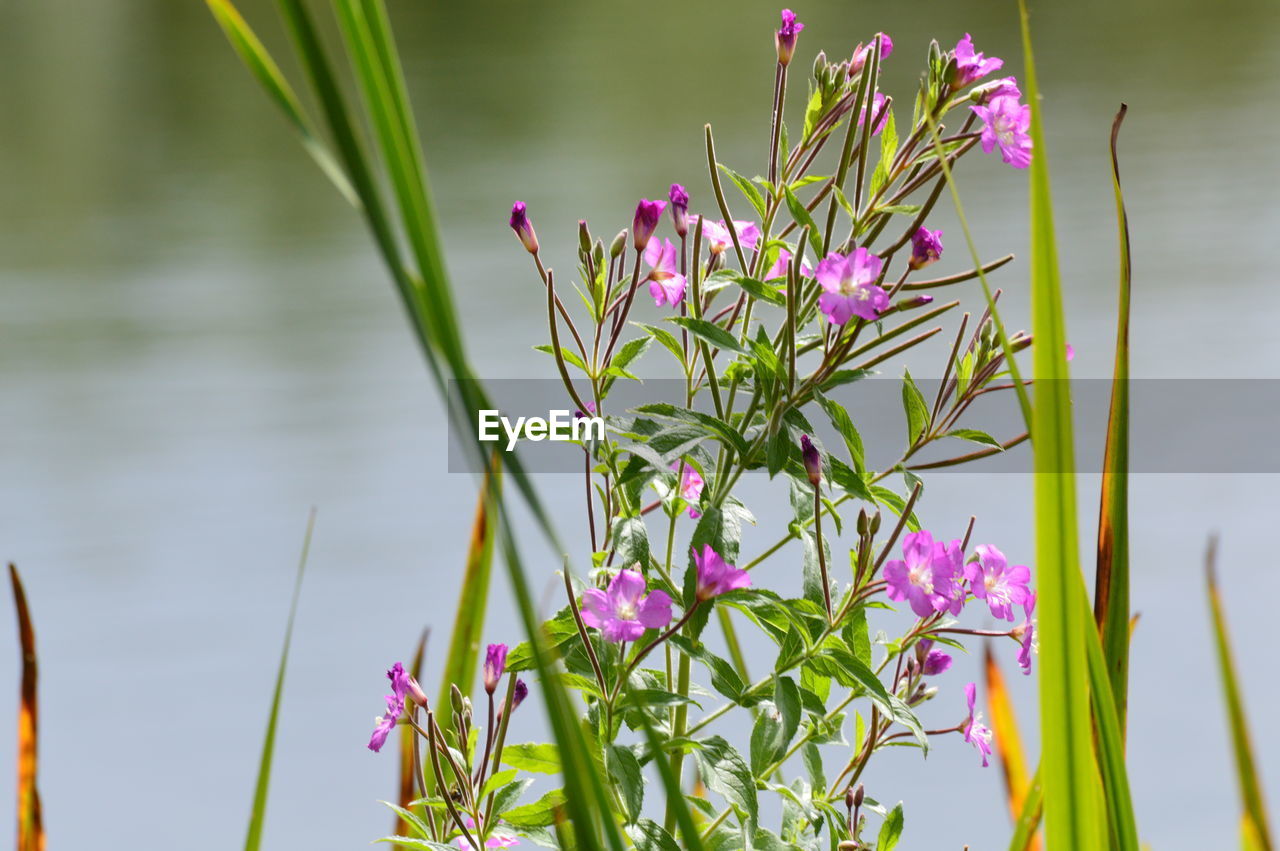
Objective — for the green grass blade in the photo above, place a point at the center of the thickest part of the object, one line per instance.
(1024, 829)
(1255, 827)
(1074, 813)
(257, 815)
(1111, 584)
(259, 61)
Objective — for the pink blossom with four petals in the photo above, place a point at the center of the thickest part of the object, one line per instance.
(1005, 124)
(624, 612)
(850, 286)
(718, 238)
(992, 579)
(976, 733)
(715, 576)
(666, 284)
(972, 66)
(927, 576)
(780, 267)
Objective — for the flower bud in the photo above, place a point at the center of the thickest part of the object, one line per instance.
(645, 222)
(619, 243)
(785, 37)
(848, 798)
(875, 522)
(524, 229)
(584, 237)
(495, 662)
(912, 302)
(522, 691)
(812, 460)
(455, 698)
(926, 248)
(859, 795)
(679, 197)
(862, 52)
(863, 521)
(819, 64)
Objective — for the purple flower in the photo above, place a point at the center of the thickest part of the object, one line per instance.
(1005, 124)
(992, 579)
(384, 724)
(679, 198)
(715, 577)
(782, 265)
(666, 285)
(812, 460)
(524, 229)
(405, 686)
(646, 220)
(1028, 629)
(1071, 353)
(718, 237)
(522, 691)
(495, 662)
(625, 611)
(850, 288)
(878, 111)
(975, 732)
(926, 248)
(1005, 87)
(926, 576)
(972, 66)
(935, 662)
(862, 52)
(785, 37)
(691, 485)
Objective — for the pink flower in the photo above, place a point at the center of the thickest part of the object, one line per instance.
(666, 285)
(877, 109)
(926, 248)
(679, 198)
(1028, 629)
(718, 237)
(972, 66)
(927, 575)
(991, 579)
(975, 732)
(715, 577)
(780, 267)
(625, 611)
(1005, 87)
(862, 52)
(850, 288)
(785, 37)
(495, 663)
(491, 842)
(384, 724)
(1005, 124)
(1071, 352)
(405, 686)
(691, 484)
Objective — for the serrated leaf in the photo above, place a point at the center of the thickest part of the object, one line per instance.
(725, 772)
(540, 813)
(624, 768)
(748, 188)
(538, 758)
(891, 830)
(916, 409)
(975, 436)
(710, 332)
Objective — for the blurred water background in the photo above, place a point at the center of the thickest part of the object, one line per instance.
(197, 344)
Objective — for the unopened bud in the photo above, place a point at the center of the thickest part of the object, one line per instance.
(495, 662)
(648, 213)
(848, 798)
(679, 198)
(785, 37)
(864, 522)
(819, 64)
(875, 522)
(859, 795)
(812, 460)
(912, 302)
(597, 253)
(455, 698)
(584, 237)
(619, 243)
(523, 227)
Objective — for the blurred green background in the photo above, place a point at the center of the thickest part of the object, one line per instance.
(197, 344)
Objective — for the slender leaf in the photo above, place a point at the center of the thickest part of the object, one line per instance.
(1255, 827)
(257, 815)
(1111, 583)
(1004, 726)
(31, 836)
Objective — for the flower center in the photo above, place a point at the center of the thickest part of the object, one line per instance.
(850, 287)
(626, 611)
(920, 577)
(1003, 128)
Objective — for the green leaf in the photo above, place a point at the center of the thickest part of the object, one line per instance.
(258, 813)
(916, 408)
(649, 836)
(624, 769)
(540, 813)
(843, 423)
(676, 803)
(569, 357)
(748, 188)
(727, 435)
(631, 542)
(724, 679)
(710, 332)
(725, 772)
(538, 758)
(888, 149)
(766, 737)
(1253, 803)
(759, 289)
(975, 436)
(665, 337)
(891, 830)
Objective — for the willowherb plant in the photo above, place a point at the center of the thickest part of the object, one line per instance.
(770, 313)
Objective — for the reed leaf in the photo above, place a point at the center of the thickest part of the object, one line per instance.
(1111, 583)
(1027, 822)
(1254, 825)
(31, 836)
(1074, 811)
(257, 815)
(259, 61)
(1004, 726)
